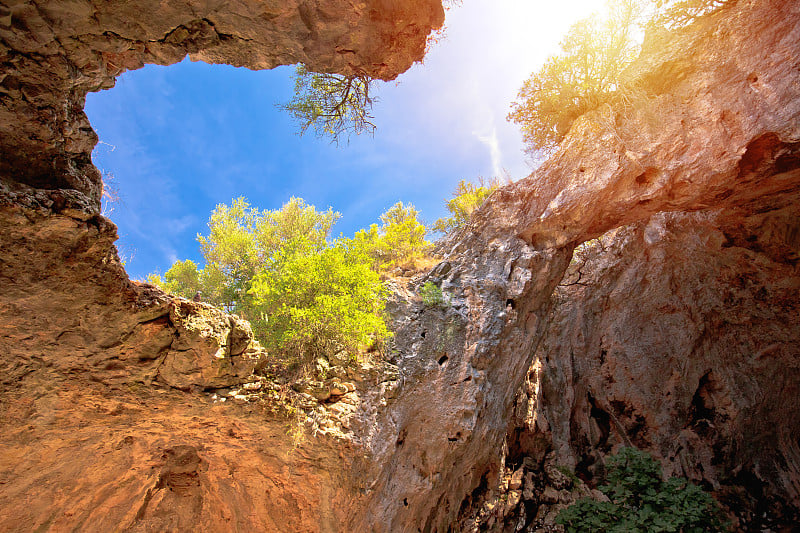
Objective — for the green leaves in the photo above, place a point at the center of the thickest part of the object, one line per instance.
(318, 304)
(589, 69)
(466, 199)
(581, 77)
(398, 241)
(432, 295)
(304, 296)
(641, 502)
(332, 104)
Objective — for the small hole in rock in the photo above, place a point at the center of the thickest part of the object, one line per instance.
(647, 177)
(512, 303)
(423, 334)
(405, 502)
(468, 378)
(443, 359)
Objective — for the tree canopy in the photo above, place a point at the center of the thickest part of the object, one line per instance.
(305, 295)
(580, 78)
(588, 70)
(399, 241)
(318, 302)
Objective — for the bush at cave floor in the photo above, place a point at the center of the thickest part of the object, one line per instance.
(639, 501)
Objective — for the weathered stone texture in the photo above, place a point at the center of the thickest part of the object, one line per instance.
(681, 337)
(714, 129)
(105, 422)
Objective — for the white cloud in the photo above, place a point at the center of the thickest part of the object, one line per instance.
(493, 144)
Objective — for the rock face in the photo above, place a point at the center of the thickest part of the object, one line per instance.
(62, 276)
(677, 333)
(694, 323)
(106, 424)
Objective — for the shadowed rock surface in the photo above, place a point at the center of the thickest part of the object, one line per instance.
(680, 334)
(716, 129)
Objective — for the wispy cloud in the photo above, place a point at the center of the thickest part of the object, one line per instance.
(493, 144)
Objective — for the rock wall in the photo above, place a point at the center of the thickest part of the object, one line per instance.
(714, 130)
(124, 408)
(678, 335)
(706, 164)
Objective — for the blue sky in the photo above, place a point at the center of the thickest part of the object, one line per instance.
(181, 139)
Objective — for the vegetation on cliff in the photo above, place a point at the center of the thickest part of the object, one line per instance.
(333, 104)
(467, 197)
(399, 241)
(640, 501)
(589, 71)
(306, 295)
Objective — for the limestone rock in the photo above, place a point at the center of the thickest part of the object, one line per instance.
(95, 433)
(680, 337)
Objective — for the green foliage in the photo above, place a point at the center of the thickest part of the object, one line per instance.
(581, 77)
(241, 241)
(398, 241)
(332, 103)
(432, 295)
(467, 197)
(641, 502)
(182, 279)
(304, 296)
(319, 302)
(588, 71)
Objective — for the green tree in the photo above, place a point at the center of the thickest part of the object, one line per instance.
(240, 242)
(304, 296)
(467, 197)
(319, 302)
(182, 279)
(588, 71)
(398, 241)
(333, 104)
(581, 77)
(641, 502)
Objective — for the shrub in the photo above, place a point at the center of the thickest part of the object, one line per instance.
(466, 199)
(641, 502)
(304, 296)
(588, 71)
(398, 241)
(240, 241)
(319, 303)
(432, 295)
(583, 76)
